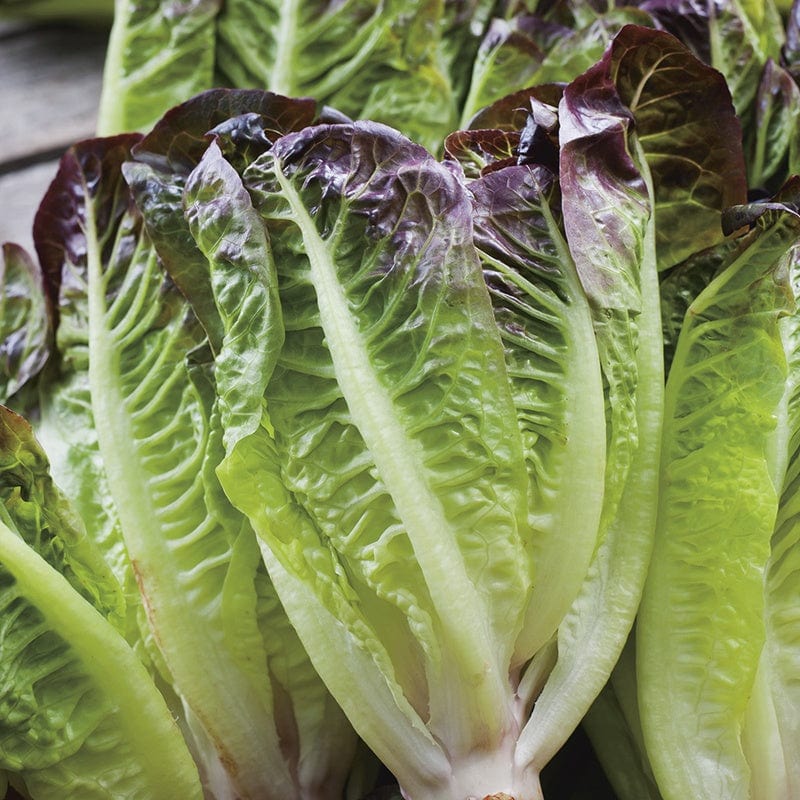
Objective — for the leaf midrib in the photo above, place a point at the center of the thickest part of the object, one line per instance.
(280, 80)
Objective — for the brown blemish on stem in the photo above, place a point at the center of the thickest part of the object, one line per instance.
(148, 608)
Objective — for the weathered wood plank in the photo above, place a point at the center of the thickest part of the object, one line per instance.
(20, 194)
(50, 89)
(49, 93)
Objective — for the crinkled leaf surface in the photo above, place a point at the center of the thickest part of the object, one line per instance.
(601, 168)
(32, 498)
(251, 120)
(475, 151)
(463, 25)
(230, 238)
(368, 59)
(403, 65)
(66, 425)
(127, 328)
(577, 50)
(386, 477)
(776, 143)
(701, 624)
(512, 112)
(524, 50)
(25, 321)
(781, 656)
(610, 235)
(179, 138)
(736, 37)
(680, 286)
(231, 235)
(81, 718)
(551, 355)
(160, 53)
(606, 216)
(689, 135)
(506, 61)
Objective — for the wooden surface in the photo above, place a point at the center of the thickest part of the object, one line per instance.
(50, 78)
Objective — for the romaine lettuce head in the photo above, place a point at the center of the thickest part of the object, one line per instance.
(385, 473)
(348, 406)
(128, 403)
(400, 348)
(401, 418)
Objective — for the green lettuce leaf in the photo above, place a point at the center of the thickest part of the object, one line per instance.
(370, 59)
(680, 285)
(689, 136)
(385, 447)
(463, 25)
(143, 357)
(775, 152)
(160, 53)
(610, 229)
(81, 717)
(773, 729)
(736, 37)
(584, 45)
(172, 149)
(219, 251)
(376, 60)
(63, 407)
(508, 58)
(310, 723)
(551, 356)
(25, 321)
(701, 625)
(525, 49)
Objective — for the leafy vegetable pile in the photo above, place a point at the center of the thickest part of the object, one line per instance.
(425, 68)
(359, 459)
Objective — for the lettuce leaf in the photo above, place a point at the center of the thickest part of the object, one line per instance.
(373, 491)
(701, 625)
(81, 717)
(551, 355)
(26, 318)
(130, 347)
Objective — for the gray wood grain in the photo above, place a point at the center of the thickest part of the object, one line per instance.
(50, 89)
(49, 94)
(20, 194)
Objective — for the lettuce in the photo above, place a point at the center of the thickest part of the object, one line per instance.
(423, 68)
(379, 445)
(418, 331)
(713, 597)
(391, 62)
(80, 715)
(127, 407)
